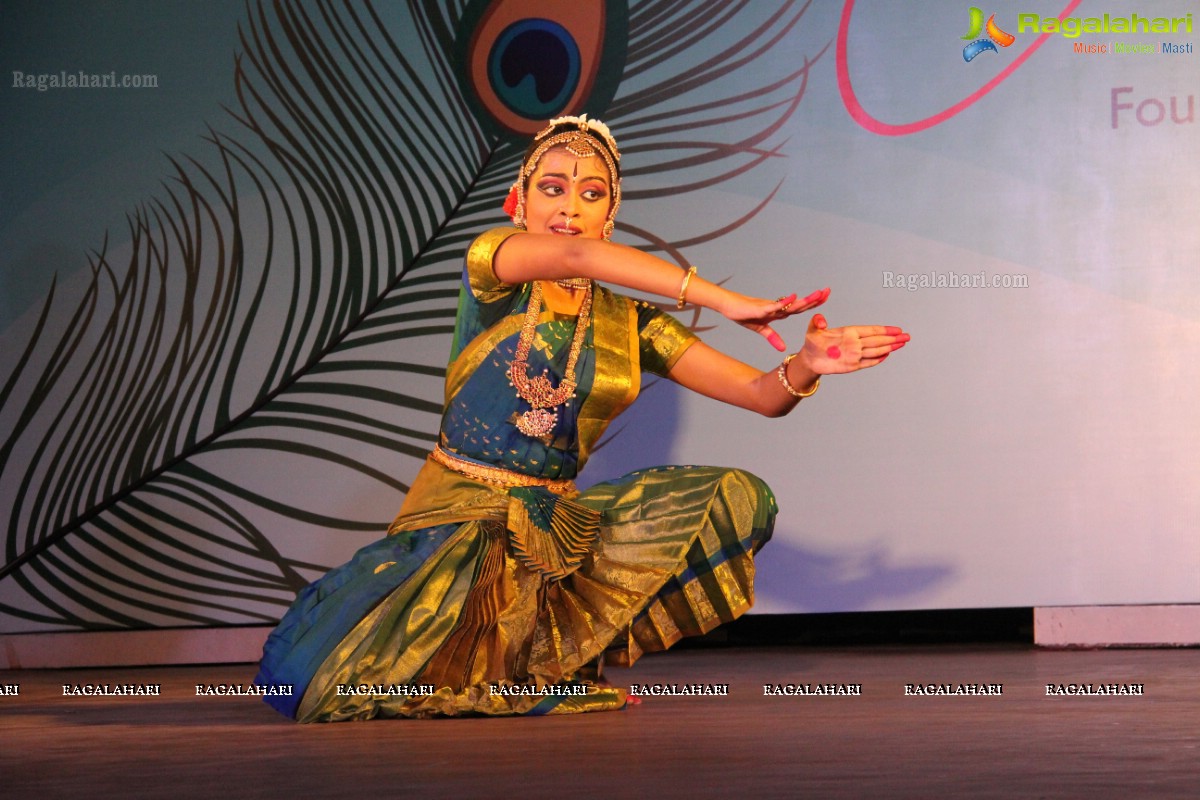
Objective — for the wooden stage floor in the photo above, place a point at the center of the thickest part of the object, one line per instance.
(880, 744)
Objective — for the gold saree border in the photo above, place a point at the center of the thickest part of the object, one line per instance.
(618, 371)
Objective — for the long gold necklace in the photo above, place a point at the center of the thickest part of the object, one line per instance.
(537, 391)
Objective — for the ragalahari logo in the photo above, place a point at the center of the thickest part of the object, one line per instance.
(995, 36)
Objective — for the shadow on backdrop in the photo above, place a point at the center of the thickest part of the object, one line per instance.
(820, 581)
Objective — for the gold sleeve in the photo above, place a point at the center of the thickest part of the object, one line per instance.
(481, 277)
(662, 338)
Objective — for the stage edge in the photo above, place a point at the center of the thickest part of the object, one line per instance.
(1117, 626)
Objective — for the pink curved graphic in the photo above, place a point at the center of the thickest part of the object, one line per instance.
(864, 118)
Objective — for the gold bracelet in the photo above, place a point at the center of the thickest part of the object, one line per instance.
(682, 301)
(782, 373)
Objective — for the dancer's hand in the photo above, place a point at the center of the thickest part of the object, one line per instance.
(830, 351)
(757, 314)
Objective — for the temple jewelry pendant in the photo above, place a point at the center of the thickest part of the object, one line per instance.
(537, 423)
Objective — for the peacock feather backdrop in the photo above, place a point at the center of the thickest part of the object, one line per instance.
(236, 399)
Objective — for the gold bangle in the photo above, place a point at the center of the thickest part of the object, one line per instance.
(783, 380)
(682, 301)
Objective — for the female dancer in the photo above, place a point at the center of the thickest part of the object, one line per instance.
(500, 587)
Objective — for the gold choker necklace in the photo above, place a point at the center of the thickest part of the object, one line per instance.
(574, 283)
(537, 392)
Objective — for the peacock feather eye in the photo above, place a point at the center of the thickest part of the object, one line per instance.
(534, 67)
(527, 62)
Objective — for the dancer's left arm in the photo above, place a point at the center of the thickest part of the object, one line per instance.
(826, 351)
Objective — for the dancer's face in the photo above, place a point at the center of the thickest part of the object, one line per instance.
(568, 195)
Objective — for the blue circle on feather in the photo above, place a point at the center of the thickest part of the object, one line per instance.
(534, 68)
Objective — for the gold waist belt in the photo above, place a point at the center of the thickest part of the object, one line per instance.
(498, 476)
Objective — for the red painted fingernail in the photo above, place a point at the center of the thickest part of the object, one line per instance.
(898, 345)
(814, 296)
(776, 342)
(892, 330)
